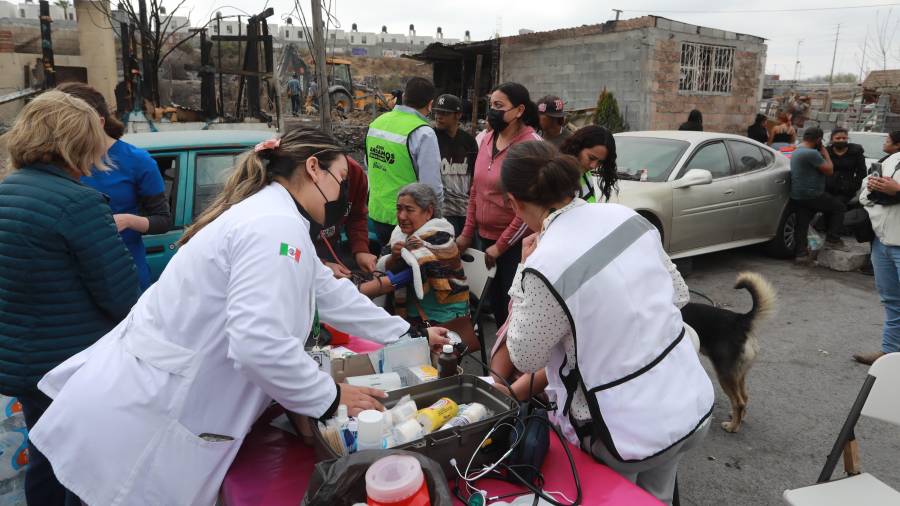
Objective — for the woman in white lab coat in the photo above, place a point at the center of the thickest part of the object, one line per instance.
(155, 411)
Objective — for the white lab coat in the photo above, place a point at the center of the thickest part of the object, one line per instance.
(204, 350)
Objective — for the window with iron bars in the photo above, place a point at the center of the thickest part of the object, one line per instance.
(706, 69)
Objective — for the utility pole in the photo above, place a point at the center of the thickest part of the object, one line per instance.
(797, 62)
(618, 12)
(837, 36)
(49, 70)
(319, 38)
(146, 63)
(862, 62)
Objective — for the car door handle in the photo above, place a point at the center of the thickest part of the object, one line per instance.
(780, 181)
(155, 249)
(729, 192)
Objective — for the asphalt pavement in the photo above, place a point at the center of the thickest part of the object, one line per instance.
(801, 386)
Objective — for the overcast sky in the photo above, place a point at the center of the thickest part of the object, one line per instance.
(816, 27)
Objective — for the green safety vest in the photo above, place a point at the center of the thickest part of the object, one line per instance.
(587, 194)
(389, 162)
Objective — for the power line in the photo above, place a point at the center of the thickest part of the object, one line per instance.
(748, 11)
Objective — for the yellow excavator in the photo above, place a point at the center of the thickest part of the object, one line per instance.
(346, 96)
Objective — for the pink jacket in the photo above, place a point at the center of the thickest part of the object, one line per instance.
(489, 212)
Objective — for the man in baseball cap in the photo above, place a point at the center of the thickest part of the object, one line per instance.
(458, 152)
(552, 118)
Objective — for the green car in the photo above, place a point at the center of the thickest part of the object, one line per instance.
(194, 166)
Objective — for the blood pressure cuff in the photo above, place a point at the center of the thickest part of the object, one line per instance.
(533, 430)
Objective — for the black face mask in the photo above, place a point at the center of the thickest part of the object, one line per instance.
(497, 121)
(839, 145)
(336, 210)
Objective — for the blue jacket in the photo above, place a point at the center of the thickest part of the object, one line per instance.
(66, 278)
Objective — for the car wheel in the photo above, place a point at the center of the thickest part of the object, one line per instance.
(655, 222)
(784, 244)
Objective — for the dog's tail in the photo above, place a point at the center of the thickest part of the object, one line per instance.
(763, 294)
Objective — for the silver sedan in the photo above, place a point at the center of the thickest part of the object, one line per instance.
(707, 192)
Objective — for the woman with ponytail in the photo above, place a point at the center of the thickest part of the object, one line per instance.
(134, 187)
(176, 387)
(595, 149)
(513, 118)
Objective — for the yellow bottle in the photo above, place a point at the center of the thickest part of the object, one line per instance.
(435, 416)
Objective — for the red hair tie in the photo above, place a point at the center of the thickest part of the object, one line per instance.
(268, 144)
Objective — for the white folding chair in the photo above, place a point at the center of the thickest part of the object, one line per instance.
(877, 399)
(479, 278)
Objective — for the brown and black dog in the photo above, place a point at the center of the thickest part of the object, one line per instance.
(728, 339)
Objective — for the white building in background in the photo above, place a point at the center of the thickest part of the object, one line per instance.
(180, 24)
(31, 10)
(359, 43)
(231, 26)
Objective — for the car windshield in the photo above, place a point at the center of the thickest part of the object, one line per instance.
(658, 156)
(872, 144)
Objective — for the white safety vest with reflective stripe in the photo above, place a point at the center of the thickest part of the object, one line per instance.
(642, 379)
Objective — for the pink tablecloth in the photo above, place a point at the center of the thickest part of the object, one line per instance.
(273, 469)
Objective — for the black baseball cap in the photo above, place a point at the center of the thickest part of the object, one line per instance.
(551, 106)
(447, 103)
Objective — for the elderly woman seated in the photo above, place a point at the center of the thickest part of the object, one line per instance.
(423, 267)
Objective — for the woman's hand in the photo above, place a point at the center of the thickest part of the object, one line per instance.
(360, 398)
(437, 338)
(366, 261)
(463, 243)
(131, 222)
(339, 270)
(413, 242)
(529, 244)
(396, 249)
(884, 185)
(490, 256)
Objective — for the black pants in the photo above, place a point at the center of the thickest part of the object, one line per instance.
(383, 233)
(295, 104)
(458, 222)
(506, 271)
(41, 485)
(834, 211)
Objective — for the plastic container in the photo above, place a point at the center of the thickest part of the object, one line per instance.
(396, 480)
(370, 429)
(473, 413)
(459, 442)
(435, 416)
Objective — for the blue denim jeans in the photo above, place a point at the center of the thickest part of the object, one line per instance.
(886, 263)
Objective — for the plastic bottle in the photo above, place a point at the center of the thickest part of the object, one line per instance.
(396, 481)
(436, 415)
(342, 416)
(475, 412)
(370, 431)
(447, 363)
